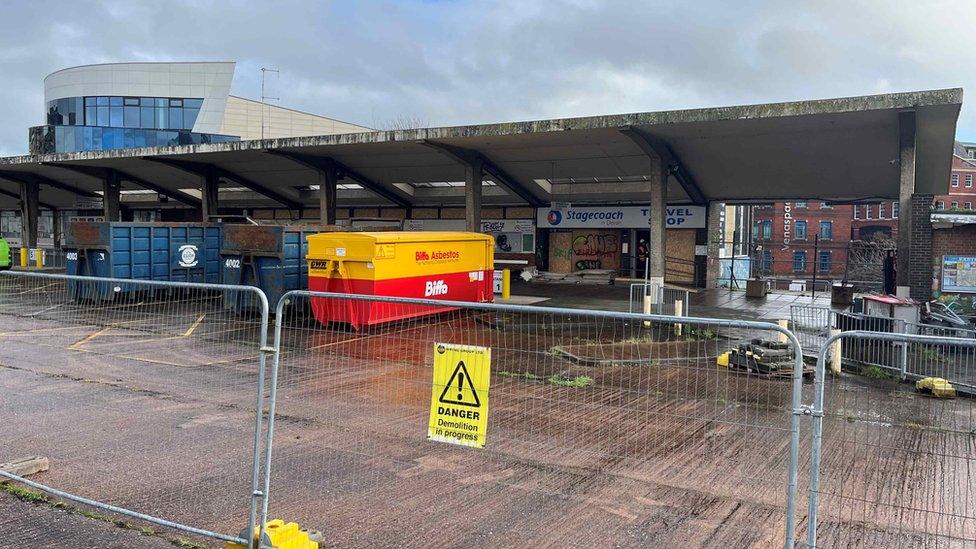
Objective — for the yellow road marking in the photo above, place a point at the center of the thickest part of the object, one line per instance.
(78, 344)
(193, 328)
(167, 338)
(36, 289)
(37, 330)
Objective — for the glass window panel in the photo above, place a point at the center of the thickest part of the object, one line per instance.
(131, 101)
(77, 111)
(69, 139)
(147, 102)
(132, 117)
(175, 118)
(108, 139)
(89, 101)
(115, 117)
(162, 102)
(140, 137)
(102, 118)
(175, 102)
(96, 139)
(101, 101)
(128, 139)
(193, 103)
(87, 145)
(162, 118)
(147, 117)
(189, 117)
(115, 101)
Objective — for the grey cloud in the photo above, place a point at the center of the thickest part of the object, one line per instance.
(455, 62)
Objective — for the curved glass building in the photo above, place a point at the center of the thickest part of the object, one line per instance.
(126, 105)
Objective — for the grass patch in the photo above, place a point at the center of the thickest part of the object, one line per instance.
(875, 372)
(186, 544)
(528, 376)
(36, 497)
(700, 334)
(563, 381)
(24, 494)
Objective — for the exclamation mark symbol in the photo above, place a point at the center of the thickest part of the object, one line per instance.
(460, 378)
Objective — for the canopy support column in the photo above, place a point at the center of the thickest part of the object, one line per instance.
(473, 178)
(657, 216)
(29, 212)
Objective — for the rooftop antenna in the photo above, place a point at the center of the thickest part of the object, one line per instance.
(265, 98)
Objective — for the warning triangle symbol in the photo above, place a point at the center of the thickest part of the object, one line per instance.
(460, 390)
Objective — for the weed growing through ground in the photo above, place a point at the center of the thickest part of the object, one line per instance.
(700, 334)
(562, 381)
(555, 379)
(875, 372)
(24, 494)
(528, 376)
(29, 495)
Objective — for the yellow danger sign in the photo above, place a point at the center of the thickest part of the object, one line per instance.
(459, 398)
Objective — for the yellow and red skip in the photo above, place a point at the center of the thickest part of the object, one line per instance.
(451, 266)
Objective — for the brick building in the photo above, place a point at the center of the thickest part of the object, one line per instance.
(793, 239)
(962, 188)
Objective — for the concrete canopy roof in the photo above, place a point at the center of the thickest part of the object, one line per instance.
(834, 149)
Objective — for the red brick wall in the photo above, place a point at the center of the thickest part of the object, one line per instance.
(959, 240)
(960, 194)
(783, 246)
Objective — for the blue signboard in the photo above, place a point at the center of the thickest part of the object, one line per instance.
(958, 273)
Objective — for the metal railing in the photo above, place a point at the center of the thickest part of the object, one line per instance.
(145, 396)
(51, 257)
(890, 466)
(655, 299)
(590, 413)
(812, 325)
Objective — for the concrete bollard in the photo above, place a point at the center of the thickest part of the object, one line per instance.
(679, 307)
(835, 353)
(785, 324)
(648, 307)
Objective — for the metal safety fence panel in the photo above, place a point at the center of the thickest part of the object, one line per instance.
(654, 299)
(811, 324)
(401, 422)
(142, 395)
(892, 461)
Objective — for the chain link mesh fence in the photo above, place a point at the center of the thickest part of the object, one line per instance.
(895, 461)
(603, 428)
(142, 395)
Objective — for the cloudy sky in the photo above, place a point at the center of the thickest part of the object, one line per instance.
(455, 62)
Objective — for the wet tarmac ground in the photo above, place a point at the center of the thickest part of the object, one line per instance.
(150, 406)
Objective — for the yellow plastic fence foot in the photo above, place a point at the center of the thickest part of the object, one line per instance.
(282, 535)
(937, 386)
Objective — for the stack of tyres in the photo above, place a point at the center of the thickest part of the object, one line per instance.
(452, 266)
(270, 257)
(175, 252)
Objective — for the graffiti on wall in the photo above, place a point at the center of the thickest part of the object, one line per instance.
(595, 250)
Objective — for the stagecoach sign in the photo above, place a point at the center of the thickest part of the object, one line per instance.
(618, 217)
